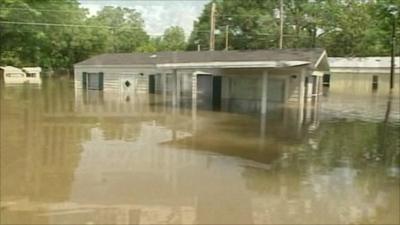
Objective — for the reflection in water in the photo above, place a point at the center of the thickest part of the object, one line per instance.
(98, 158)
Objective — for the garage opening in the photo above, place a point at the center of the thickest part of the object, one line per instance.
(209, 89)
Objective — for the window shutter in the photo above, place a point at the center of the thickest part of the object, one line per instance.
(84, 78)
(101, 80)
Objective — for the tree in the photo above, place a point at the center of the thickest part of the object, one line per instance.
(153, 45)
(344, 28)
(173, 39)
(125, 32)
(27, 44)
(55, 45)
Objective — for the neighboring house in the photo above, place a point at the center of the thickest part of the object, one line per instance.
(13, 75)
(362, 73)
(239, 79)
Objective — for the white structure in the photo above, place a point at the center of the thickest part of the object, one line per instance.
(363, 73)
(13, 75)
(227, 79)
(378, 65)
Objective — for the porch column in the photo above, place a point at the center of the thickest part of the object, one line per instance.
(194, 87)
(302, 86)
(301, 96)
(164, 87)
(174, 87)
(264, 92)
(178, 88)
(194, 102)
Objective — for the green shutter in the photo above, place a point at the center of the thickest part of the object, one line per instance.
(101, 80)
(84, 78)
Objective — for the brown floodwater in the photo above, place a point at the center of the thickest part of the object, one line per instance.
(73, 157)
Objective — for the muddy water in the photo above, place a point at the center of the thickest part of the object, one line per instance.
(72, 157)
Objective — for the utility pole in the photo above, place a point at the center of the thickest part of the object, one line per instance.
(393, 52)
(212, 29)
(281, 25)
(227, 37)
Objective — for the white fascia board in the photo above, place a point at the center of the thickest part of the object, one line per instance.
(144, 66)
(227, 65)
(324, 54)
(359, 70)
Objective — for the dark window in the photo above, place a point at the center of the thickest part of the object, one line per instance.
(374, 82)
(152, 84)
(84, 79)
(93, 81)
(326, 79)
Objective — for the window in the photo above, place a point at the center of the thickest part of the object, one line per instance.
(374, 82)
(326, 79)
(92, 81)
(14, 75)
(30, 75)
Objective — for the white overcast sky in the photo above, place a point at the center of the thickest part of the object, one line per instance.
(157, 14)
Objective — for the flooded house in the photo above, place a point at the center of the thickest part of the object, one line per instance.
(14, 75)
(217, 79)
(363, 74)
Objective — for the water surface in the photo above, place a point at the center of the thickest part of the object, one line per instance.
(73, 157)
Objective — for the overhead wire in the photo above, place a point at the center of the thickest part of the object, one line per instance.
(57, 24)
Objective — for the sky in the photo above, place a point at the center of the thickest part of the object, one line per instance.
(157, 14)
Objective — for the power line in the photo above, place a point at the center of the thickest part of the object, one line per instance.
(78, 11)
(58, 24)
(44, 10)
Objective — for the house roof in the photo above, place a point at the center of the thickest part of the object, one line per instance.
(295, 56)
(362, 62)
(11, 69)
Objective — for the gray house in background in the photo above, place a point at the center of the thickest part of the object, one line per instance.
(227, 79)
(364, 74)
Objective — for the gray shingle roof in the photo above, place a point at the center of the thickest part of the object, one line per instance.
(311, 55)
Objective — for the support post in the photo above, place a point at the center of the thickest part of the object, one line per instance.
(264, 92)
(178, 88)
(302, 85)
(194, 102)
(226, 37)
(174, 88)
(212, 29)
(301, 98)
(281, 14)
(164, 86)
(392, 55)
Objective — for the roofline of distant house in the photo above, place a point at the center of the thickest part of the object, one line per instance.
(208, 65)
(157, 64)
(234, 65)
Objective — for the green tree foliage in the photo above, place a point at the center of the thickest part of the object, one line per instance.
(48, 46)
(173, 39)
(113, 29)
(126, 32)
(344, 28)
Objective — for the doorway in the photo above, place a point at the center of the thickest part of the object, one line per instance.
(209, 89)
(152, 84)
